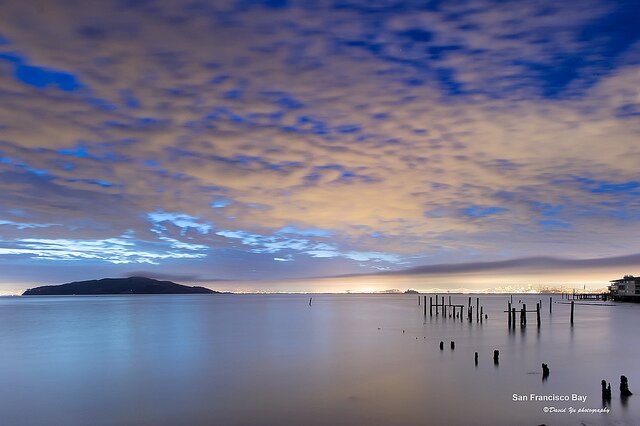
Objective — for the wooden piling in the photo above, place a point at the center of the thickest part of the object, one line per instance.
(606, 391)
(572, 312)
(496, 357)
(430, 306)
(538, 313)
(509, 313)
(435, 296)
(476, 358)
(550, 303)
(441, 345)
(424, 306)
(453, 345)
(524, 311)
(481, 313)
(477, 309)
(624, 387)
(513, 317)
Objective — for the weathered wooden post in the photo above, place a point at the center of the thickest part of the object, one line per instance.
(418, 300)
(424, 306)
(435, 296)
(469, 301)
(477, 309)
(476, 358)
(572, 312)
(509, 313)
(524, 310)
(545, 371)
(481, 313)
(470, 313)
(606, 391)
(453, 345)
(521, 317)
(496, 357)
(441, 345)
(430, 306)
(538, 313)
(550, 303)
(624, 387)
(513, 319)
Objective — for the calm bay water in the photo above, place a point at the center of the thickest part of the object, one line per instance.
(274, 360)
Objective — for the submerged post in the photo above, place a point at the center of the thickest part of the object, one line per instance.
(606, 391)
(509, 313)
(538, 314)
(496, 357)
(418, 300)
(550, 303)
(424, 306)
(624, 387)
(481, 312)
(430, 306)
(572, 312)
(435, 296)
(441, 345)
(476, 358)
(477, 309)
(513, 315)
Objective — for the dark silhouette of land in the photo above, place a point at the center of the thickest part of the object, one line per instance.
(131, 285)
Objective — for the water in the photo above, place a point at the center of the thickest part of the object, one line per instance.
(273, 360)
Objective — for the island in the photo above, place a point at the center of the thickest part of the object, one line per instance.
(130, 285)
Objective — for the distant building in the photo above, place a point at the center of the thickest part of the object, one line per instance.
(627, 288)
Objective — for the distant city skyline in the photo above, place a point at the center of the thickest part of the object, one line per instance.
(271, 143)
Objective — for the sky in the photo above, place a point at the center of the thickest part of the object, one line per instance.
(271, 145)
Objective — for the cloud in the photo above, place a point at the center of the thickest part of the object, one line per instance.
(537, 264)
(25, 225)
(180, 220)
(355, 135)
(112, 250)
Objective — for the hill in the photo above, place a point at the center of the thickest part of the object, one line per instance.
(131, 285)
